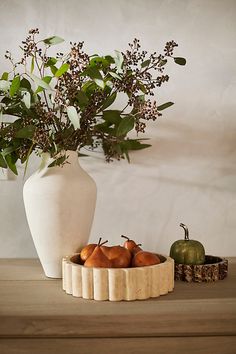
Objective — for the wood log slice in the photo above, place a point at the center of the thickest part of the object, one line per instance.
(214, 268)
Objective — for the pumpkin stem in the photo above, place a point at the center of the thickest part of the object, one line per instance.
(186, 233)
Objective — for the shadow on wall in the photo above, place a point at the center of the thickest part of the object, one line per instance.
(201, 157)
(175, 141)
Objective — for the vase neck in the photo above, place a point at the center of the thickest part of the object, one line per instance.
(72, 157)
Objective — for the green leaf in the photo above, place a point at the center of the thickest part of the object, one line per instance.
(105, 128)
(2, 162)
(145, 63)
(93, 73)
(25, 84)
(116, 76)
(109, 59)
(58, 161)
(51, 61)
(118, 149)
(109, 100)
(4, 85)
(126, 124)
(112, 116)
(180, 61)
(82, 99)
(126, 155)
(16, 124)
(73, 116)
(118, 61)
(6, 100)
(14, 109)
(89, 87)
(53, 40)
(165, 105)
(100, 83)
(108, 86)
(47, 80)
(134, 144)
(162, 62)
(62, 70)
(53, 69)
(4, 76)
(15, 85)
(8, 150)
(32, 65)
(99, 61)
(27, 99)
(26, 132)
(11, 164)
(41, 83)
(44, 161)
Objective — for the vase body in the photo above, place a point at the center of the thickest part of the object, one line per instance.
(59, 204)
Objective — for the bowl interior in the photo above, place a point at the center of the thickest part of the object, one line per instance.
(77, 260)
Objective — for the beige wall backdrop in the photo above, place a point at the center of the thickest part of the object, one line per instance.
(189, 173)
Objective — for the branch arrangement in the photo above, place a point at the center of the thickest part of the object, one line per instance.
(59, 103)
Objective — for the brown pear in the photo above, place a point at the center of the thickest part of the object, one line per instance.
(136, 249)
(106, 250)
(98, 259)
(87, 251)
(144, 258)
(118, 255)
(122, 258)
(129, 244)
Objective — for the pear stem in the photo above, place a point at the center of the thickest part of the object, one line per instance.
(127, 238)
(101, 244)
(186, 233)
(139, 244)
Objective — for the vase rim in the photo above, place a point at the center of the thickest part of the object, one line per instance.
(71, 152)
(72, 155)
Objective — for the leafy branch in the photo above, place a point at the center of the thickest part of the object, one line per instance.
(64, 102)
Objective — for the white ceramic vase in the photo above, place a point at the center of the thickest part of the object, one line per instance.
(60, 204)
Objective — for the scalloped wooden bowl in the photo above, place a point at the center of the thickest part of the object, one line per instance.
(116, 284)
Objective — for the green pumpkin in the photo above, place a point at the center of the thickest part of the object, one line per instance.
(187, 251)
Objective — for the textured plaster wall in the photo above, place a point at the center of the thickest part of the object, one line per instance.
(189, 174)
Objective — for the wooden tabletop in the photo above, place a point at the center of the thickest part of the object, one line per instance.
(37, 316)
